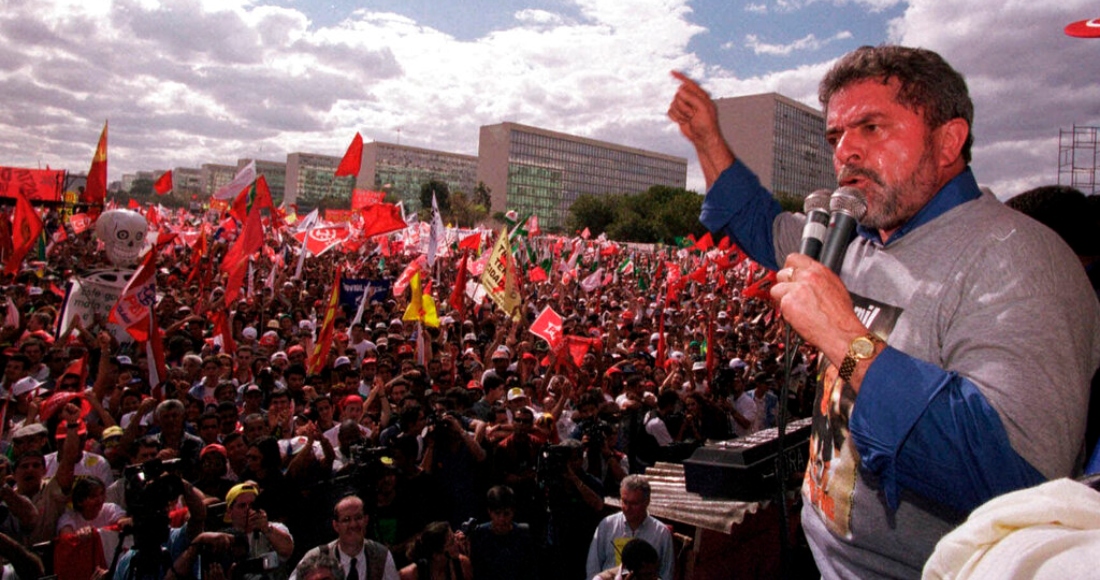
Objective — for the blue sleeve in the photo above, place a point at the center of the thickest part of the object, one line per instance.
(922, 428)
(738, 206)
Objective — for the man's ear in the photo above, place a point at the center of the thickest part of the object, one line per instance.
(952, 138)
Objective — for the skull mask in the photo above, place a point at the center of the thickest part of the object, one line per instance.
(123, 231)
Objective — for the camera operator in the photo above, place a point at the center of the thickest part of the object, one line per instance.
(574, 502)
(152, 490)
(453, 455)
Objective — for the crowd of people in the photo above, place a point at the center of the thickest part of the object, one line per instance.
(288, 436)
(429, 427)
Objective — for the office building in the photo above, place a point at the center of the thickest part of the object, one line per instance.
(215, 176)
(536, 171)
(311, 178)
(781, 140)
(274, 173)
(400, 170)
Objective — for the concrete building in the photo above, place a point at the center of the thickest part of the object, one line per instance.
(214, 176)
(400, 170)
(532, 170)
(310, 178)
(781, 140)
(274, 173)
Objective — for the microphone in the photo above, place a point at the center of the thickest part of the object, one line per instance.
(847, 206)
(816, 208)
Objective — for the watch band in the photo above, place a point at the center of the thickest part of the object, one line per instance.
(852, 358)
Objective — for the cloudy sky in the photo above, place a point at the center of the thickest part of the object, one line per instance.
(189, 82)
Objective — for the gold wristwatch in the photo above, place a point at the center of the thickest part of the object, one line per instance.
(861, 348)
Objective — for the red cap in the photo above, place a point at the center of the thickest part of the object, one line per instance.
(213, 448)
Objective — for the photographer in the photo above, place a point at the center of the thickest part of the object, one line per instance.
(156, 545)
(574, 503)
(260, 535)
(453, 455)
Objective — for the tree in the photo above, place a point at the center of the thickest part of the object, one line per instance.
(141, 187)
(593, 212)
(442, 196)
(483, 196)
(659, 213)
(465, 212)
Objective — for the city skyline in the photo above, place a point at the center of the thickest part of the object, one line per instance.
(189, 82)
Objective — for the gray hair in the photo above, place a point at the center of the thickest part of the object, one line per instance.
(636, 482)
(319, 560)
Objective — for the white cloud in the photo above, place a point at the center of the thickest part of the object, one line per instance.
(809, 42)
(756, 8)
(184, 83)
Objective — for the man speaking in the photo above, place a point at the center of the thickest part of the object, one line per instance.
(960, 336)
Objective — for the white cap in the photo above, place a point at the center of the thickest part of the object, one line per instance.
(249, 333)
(699, 366)
(341, 361)
(737, 363)
(24, 386)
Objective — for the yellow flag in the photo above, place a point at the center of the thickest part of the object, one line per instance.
(421, 306)
(499, 278)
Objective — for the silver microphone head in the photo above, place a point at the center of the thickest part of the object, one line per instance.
(816, 201)
(848, 200)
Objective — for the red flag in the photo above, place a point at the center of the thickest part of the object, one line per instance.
(256, 196)
(760, 288)
(458, 293)
(470, 242)
(223, 330)
(133, 204)
(353, 158)
(320, 240)
(235, 262)
(699, 275)
(164, 183)
(324, 340)
(95, 191)
(361, 198)
(662, 346)
(548, 326)
(80, 222)
(382, 218)
(137, 299)
(26, 227)
(536, 274)
(153, 218)
(724, 244)
(705, 243)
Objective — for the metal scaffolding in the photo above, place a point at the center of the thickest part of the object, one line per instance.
(1079, 157)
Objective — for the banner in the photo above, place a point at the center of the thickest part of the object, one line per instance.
(320, 240)
(351, 290)
(36, 184)
(499, 278)
(95, 294)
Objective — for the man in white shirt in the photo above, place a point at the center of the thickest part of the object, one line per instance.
(360, 558)
(634, 521)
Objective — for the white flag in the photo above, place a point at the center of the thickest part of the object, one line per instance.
(435, 234)
(243, 179)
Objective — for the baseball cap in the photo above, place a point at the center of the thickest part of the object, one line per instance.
(515, 393)
(235, 492)
(341, 361)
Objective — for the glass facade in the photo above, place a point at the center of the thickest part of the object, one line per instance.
(315, 180)
(547, 173)
(401, 171)
(803, 159)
